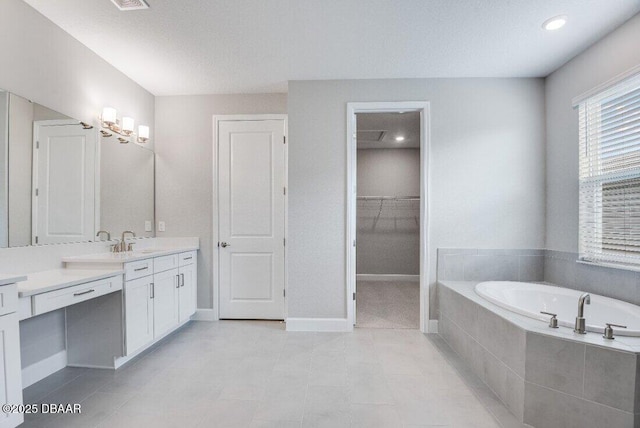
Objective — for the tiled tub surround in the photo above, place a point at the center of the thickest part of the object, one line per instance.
(546, 377)
(470, 264)
(555, 267)
(561, 268)
(529, 298)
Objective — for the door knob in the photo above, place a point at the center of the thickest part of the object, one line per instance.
(224, 245)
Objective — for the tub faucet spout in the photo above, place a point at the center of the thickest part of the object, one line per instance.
(581, 325)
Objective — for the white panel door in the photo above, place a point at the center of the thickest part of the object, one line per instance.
(251, 199)
(64, 183)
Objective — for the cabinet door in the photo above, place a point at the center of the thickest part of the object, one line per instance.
(10, 369)
(138, 312)
(165, 301)
(188, 286)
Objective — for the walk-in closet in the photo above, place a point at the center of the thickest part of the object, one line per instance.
(388, 220)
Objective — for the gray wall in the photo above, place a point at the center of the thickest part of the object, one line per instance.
(184, 149)
(126, 187)
(388, 233)
(614, 54)
(392, 172)
(43, 63)
(487, 183)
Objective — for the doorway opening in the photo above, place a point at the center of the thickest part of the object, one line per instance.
(388, 216)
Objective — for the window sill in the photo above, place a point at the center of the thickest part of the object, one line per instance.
(619, 266)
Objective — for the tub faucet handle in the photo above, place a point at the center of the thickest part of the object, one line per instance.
(608, 330)
(553, 322)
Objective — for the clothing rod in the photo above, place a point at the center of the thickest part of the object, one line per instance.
(388, 198)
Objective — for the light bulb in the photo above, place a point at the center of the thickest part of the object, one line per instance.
(143, 133)
(127, 125)
(109, 115)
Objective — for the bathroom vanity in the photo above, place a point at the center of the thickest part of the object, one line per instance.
(158, 293)
(114, 305)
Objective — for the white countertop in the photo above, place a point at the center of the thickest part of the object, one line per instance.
(129, 256)
(11, 279)
(49, 280)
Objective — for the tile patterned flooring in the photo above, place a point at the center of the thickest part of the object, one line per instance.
(254, 374)
(388, 304)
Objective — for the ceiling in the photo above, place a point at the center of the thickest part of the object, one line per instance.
(379, 130)
(251, 46)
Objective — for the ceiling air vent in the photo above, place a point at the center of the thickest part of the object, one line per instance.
(370, 135)
(127, 5)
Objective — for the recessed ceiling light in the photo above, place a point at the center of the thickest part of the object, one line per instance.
(399, 138)
(555, 23)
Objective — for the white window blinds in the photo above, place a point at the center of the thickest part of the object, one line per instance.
(609, 186)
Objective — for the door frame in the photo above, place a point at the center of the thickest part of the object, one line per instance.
(423, 107)
(215, 258)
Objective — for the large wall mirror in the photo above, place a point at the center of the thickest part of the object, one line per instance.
(61, 181)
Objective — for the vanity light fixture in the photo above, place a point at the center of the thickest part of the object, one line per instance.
(127, 126)
(555, 23)
(109, 120)
(109, 116)
(143, 134)
(111, 124)
(399, 138)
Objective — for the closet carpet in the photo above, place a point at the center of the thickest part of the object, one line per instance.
(392, 304)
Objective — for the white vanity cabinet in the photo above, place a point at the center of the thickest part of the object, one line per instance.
(188, 281)
(138, 313)
(10, 369)
(159, 296)
(166, 302)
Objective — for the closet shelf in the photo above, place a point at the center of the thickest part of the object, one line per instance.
(388, 198)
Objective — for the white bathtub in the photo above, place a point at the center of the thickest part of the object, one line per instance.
(529, 299)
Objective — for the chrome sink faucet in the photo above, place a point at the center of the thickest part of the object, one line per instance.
(123, 243)
(581, 325)
(100, 232)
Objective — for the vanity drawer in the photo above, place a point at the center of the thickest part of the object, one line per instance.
(8, 299)
(160, 264)
(57, 299)
(187, 258)
(138, 269)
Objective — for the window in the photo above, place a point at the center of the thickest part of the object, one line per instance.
(609, 130)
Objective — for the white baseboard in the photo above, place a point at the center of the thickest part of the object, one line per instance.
(318, 324)
(204, 315)
(43, 368)
(385, 277)
(432, 326)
